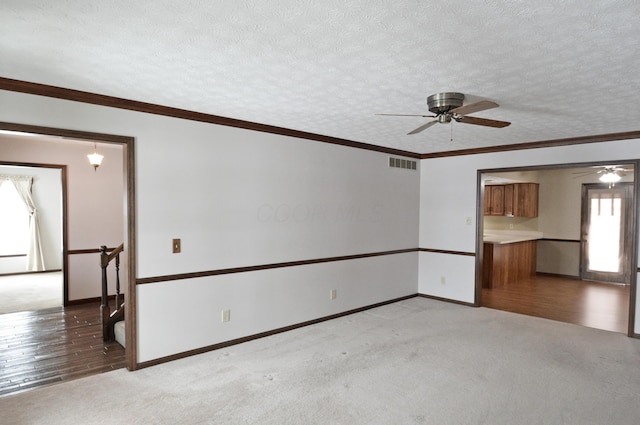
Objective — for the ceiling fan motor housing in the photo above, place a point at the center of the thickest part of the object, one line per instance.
(440, 103)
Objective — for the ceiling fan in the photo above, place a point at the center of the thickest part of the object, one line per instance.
(608, 173)
(448, 106)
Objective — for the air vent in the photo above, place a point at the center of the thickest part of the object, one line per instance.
(407, 164)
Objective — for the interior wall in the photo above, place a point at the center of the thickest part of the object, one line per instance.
(94, 201)
(240, 198)
(47, 195)
(445, 206)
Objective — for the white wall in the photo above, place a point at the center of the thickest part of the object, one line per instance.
(47, 195)
(243, 198)
(448, 194)
(94, 201)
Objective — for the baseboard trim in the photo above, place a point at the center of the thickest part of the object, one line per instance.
(265, 334)
(563, 276)
(91, 300)
(448, 300)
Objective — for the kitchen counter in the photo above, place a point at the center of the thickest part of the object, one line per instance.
(510, 236)
(509, 256)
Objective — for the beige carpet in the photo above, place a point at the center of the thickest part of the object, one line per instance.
(417, 361)
(34, 291)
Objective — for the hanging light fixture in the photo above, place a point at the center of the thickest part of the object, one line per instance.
(610, 177)
(95, 158)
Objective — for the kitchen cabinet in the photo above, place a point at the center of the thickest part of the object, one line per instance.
(525, 200)
(511, 200)
(494, 200)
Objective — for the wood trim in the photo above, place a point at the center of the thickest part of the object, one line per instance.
(132, 105)
(87, 251)
(579, 140)
(69, 134)
(131, 300)
(267, 333)
(560, 240)
(93, 300)
(447, 300)
(13, 255)
(443, 251)
(233, 270)
(563, 276)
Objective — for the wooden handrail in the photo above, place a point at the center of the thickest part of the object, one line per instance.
(105, 258)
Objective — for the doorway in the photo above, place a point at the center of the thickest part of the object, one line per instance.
(127, 228)
(605, 240)
(559, 290)
(31, 243)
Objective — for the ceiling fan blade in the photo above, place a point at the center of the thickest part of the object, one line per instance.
(407, 115)
(423, 127)
(579, 174)
(483, 121)
(474, 107)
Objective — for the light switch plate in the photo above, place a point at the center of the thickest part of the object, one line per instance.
(176, 246)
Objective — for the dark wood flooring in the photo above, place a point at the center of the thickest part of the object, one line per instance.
(44, 347)
(592, 304)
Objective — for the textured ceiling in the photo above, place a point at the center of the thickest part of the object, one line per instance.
(558, 69)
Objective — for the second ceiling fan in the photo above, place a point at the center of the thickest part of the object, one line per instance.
(448, 106)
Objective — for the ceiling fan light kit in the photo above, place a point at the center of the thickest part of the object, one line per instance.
(448, 106)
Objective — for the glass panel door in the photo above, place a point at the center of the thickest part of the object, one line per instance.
(605, 239)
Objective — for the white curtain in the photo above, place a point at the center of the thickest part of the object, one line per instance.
(35, 259)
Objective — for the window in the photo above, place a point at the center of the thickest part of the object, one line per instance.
(14, 221)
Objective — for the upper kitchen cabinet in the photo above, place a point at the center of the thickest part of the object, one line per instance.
(494, 200)
(511, 200)
(525, 200)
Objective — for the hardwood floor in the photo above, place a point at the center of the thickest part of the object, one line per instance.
(592, 304)
(44, 347)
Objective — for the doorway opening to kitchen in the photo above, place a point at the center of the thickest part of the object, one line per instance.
(548, 264)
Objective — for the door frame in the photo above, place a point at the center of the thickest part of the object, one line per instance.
(626, 238)
(633, 257)
(128, 152)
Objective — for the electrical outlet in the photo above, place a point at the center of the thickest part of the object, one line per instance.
(510, 226)
(333, 294)
(443, 280)
(176, 246)
(226, 316)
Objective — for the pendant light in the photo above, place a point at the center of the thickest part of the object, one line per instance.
(95, 158)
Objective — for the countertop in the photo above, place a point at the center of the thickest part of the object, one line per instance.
(510, 236)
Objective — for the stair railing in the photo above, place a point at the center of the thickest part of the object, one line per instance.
(109, 317)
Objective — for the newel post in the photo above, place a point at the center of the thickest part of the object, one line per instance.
(104, 306)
